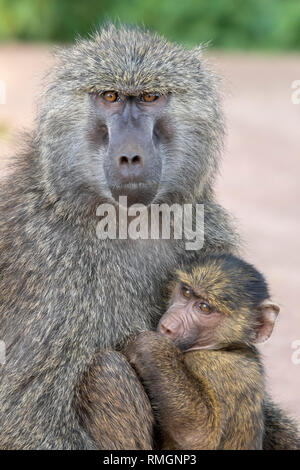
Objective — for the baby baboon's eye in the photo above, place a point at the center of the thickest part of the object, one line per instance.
(110, 96)
(204, 307)
(186, 292)
(149, 97)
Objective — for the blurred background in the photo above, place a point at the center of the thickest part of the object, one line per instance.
(255, 46)
(230, 24)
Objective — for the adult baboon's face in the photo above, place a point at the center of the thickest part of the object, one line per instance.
(128, 113)
(129, 131)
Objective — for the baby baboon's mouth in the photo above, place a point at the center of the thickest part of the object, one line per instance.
(136, 193)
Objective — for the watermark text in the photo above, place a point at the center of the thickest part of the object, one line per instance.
(157, 221)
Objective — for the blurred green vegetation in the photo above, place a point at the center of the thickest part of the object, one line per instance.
(241, 24)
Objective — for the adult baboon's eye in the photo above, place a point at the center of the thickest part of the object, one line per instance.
(204, 307)
(186, 292)
(149, 97)
(110, 96)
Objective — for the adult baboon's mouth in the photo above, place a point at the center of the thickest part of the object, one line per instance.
(136, 193)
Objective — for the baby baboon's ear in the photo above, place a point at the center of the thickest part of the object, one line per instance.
(268, 314)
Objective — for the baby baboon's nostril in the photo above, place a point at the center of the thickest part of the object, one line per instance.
(164, 330)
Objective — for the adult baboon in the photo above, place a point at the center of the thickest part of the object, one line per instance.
(125, 113)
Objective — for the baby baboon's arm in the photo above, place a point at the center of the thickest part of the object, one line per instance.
(186, 408)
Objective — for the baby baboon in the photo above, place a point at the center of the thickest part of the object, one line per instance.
(212, 396)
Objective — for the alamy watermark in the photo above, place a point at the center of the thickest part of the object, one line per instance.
(296, 93)
(2, 353)
(157, 221)
(296, 354)
(2, 92)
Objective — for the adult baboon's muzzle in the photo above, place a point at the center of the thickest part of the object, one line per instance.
(133, 164)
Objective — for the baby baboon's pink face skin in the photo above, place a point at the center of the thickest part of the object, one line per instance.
(190, 321)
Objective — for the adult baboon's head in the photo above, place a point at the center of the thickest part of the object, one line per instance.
(128, 113)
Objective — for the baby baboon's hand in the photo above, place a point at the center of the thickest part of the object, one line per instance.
(149, 352)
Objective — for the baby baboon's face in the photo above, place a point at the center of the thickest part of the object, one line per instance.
(190, 321)
(219, 302)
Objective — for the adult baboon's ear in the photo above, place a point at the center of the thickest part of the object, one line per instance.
(268, 314)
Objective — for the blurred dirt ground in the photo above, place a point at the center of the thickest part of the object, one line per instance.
(259, 180)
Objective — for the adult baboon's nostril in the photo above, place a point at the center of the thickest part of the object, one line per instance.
(124, 160)
(136, 160)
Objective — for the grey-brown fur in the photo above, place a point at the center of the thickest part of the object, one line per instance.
(113, 405)
(64, 293)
